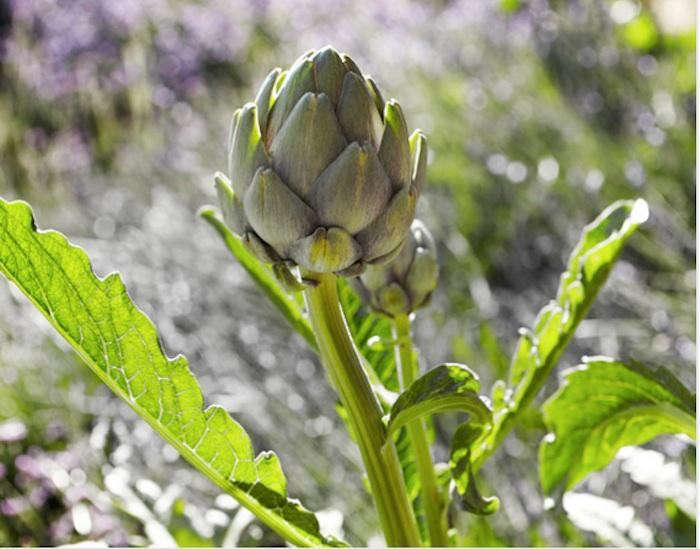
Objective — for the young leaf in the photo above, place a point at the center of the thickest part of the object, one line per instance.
(539, 350)
(263, 276)
(445, 388)
(463, 474)
(120, 345)
(602, 406)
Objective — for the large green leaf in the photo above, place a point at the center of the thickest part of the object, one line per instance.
(121, 346)
(538, 350)
(445, 388)
(602, 406)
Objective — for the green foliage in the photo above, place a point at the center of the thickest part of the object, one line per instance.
(602, 406)
(445, 388)
(538, 351)
(120, 345)
(478, 533)
(463, 473)
(611, 105)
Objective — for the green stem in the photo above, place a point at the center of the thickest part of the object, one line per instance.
(344, 368)
(431, 499)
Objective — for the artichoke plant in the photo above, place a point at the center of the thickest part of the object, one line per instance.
(323, 173)
(405, 283)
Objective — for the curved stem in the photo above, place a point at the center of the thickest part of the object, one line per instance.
(344, 367)
(431, 499)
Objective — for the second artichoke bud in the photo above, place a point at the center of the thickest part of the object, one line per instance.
(323, 173)
(405, 283)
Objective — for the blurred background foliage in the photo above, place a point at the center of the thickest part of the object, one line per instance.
(113, 118)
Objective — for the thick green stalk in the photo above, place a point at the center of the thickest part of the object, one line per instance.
(344, 368)
(431, 499)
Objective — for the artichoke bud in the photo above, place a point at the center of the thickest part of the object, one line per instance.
(323, 174)
(407, 281)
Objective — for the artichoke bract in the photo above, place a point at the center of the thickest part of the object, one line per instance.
(323, 173)
(405, 283)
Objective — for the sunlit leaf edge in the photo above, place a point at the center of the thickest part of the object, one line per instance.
(661, 405)
(264, 494)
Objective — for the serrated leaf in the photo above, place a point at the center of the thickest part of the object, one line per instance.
(121, 346)
(538, 350)
(263, 276)
(445, 388)
(463, 474)
(602, 406)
